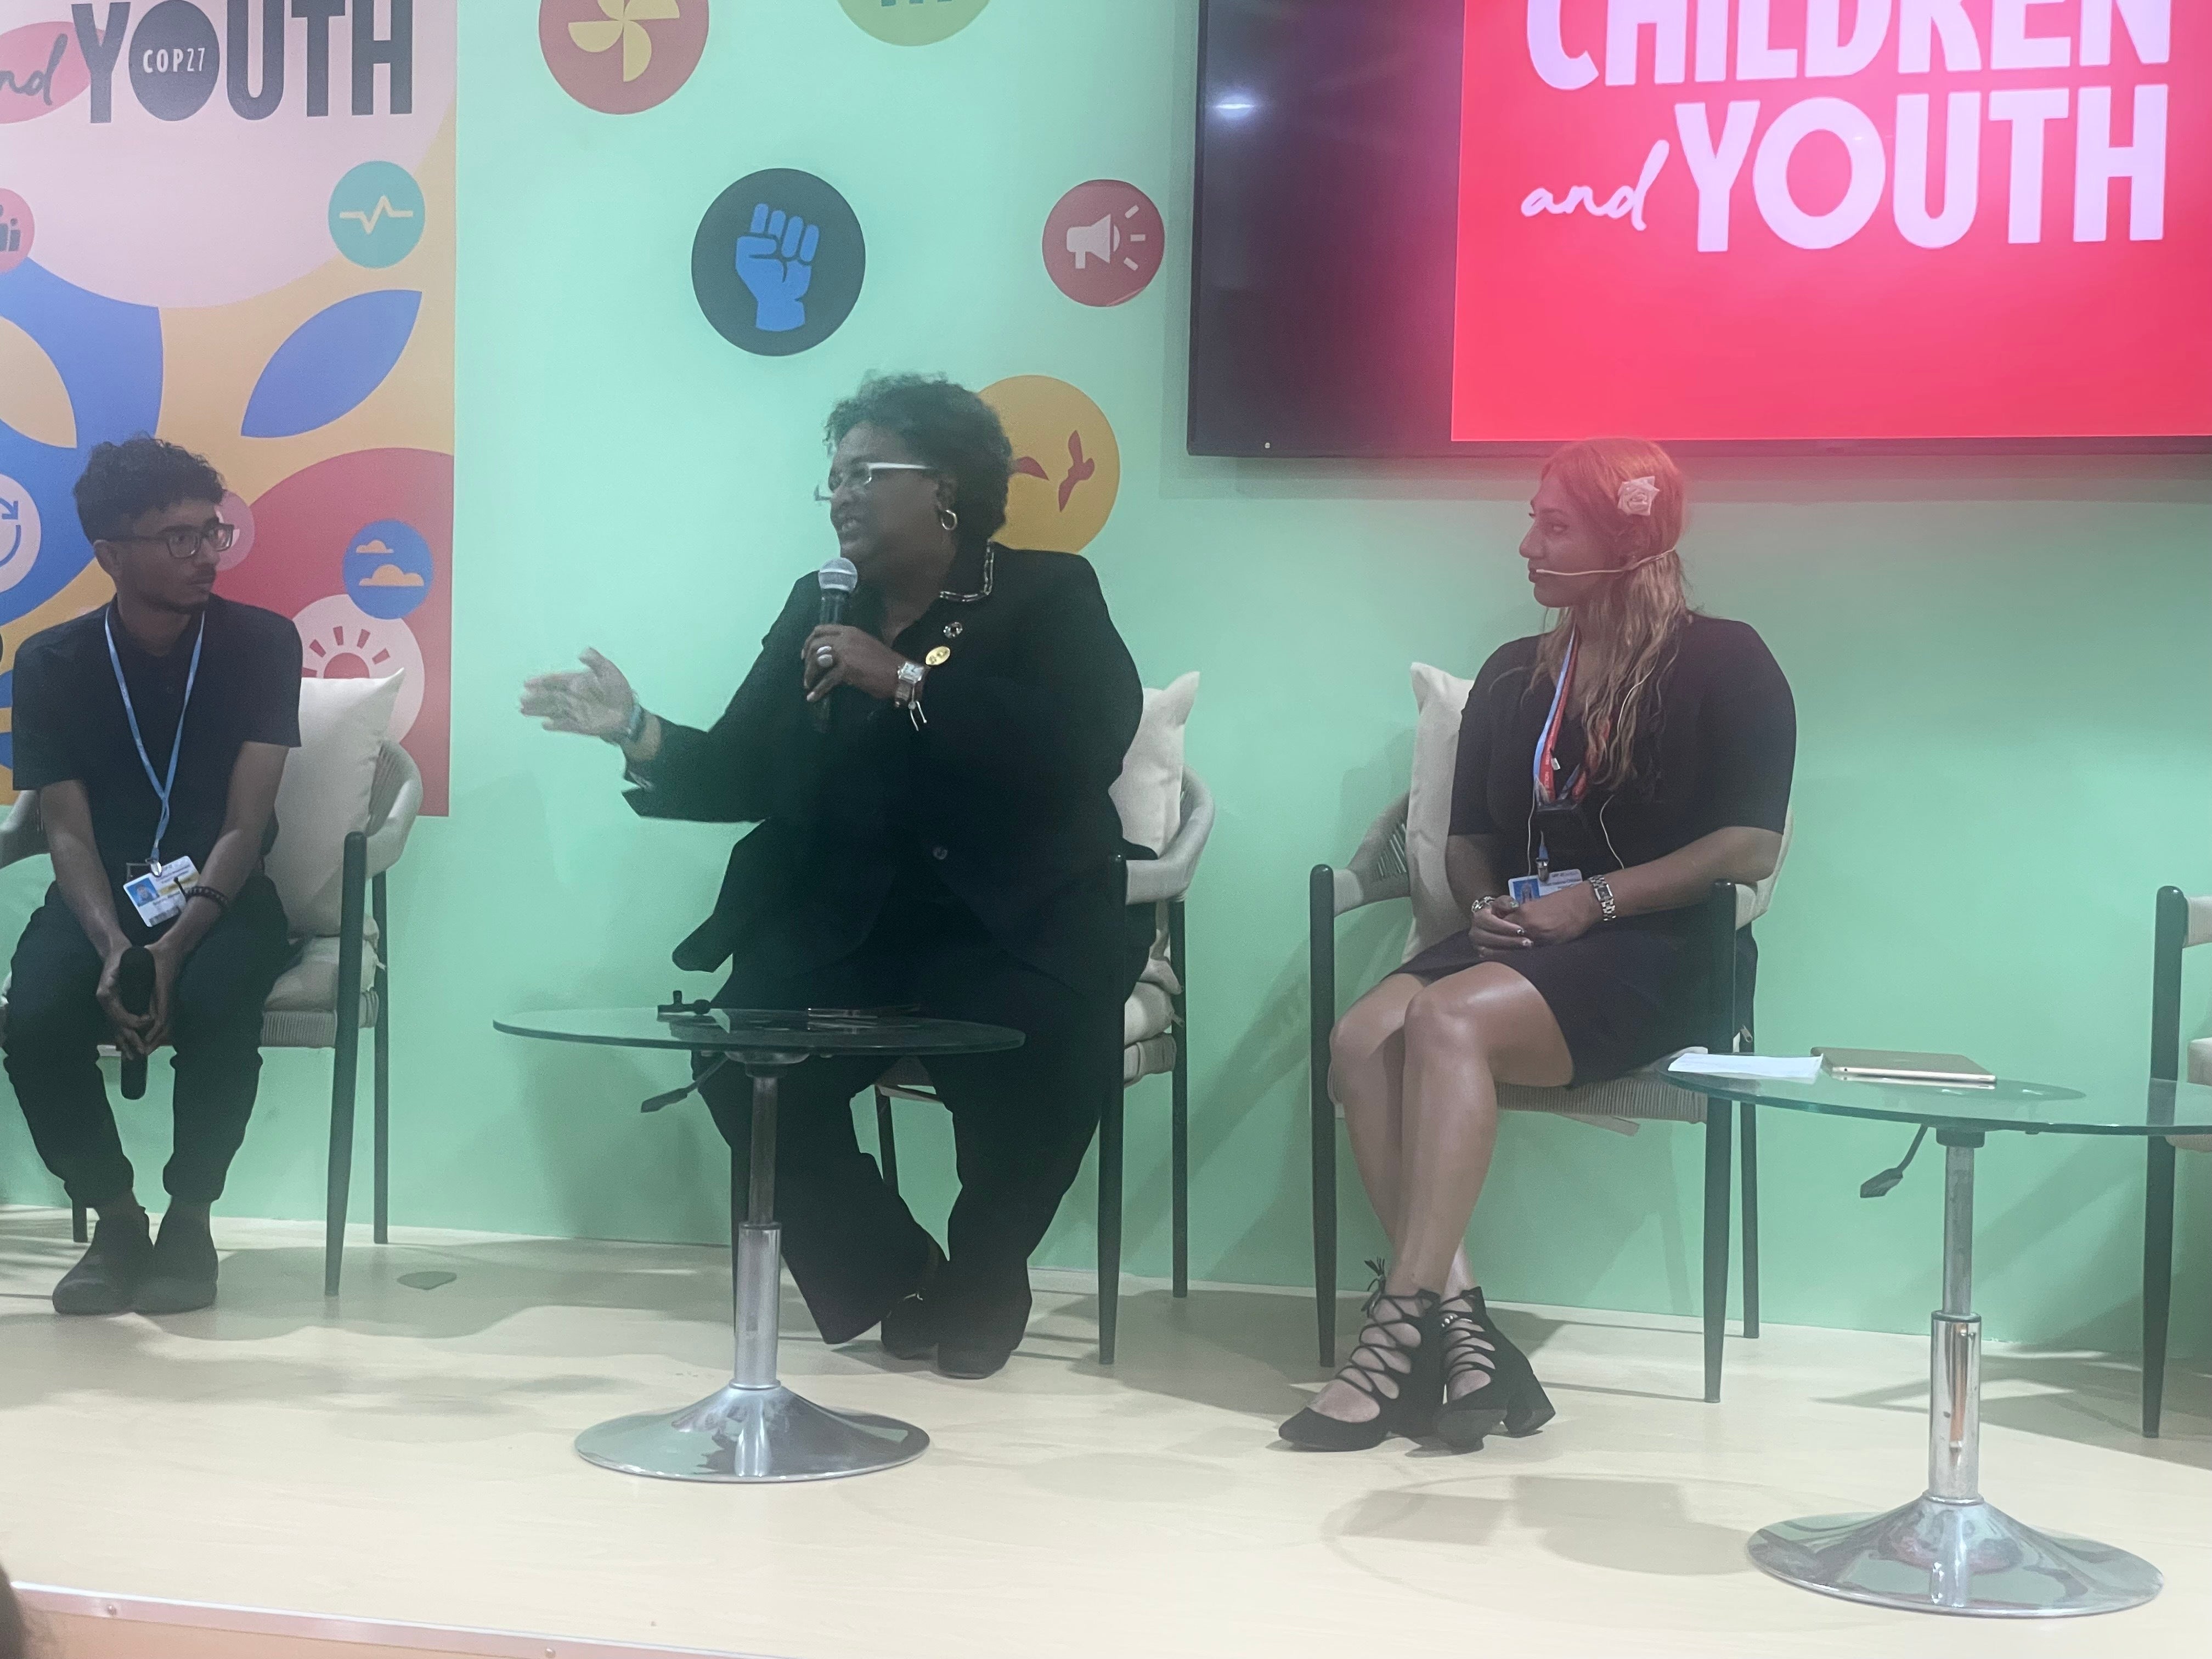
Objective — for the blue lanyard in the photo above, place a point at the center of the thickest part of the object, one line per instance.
(162, 789)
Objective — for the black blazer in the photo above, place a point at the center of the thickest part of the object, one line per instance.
(1002, 794)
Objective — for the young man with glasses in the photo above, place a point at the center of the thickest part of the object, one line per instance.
(154, 730)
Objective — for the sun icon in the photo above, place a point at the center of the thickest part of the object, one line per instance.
(341, 641)
(625, 22)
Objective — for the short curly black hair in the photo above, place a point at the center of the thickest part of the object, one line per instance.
(951, 428)
(124, 482)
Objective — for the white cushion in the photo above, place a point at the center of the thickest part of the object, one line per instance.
(2200, 923)
(1149, 792)
(325, 794)
(310, 986)
(2200, 1071)
(1147, 1014)
(1147, 1059)
(1439, 700)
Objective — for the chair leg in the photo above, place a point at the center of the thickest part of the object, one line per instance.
(1750, 1219)
(381, 1102)
(2158, 1278)
(886, 1142)
(1321, 1016)
(76, 1223)
(1109, 1227)
(346, 1065)
(1179, 1120)
(1720, 1122)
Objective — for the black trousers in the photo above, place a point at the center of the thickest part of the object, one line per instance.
(55, 1024)
(1021, 1122)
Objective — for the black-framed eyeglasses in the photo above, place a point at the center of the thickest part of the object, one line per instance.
(187, 540)
(861, 478)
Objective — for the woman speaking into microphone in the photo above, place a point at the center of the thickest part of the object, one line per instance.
(1618, 765)
(929, 775)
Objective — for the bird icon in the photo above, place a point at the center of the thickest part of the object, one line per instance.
(1081, 469)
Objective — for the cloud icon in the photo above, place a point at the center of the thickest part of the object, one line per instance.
(377, 546)
(390, 576)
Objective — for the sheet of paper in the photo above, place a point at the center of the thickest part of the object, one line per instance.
(1761, 1069)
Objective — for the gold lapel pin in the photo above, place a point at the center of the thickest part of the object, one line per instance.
(938, 657)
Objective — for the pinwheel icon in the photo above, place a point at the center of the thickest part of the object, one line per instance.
(625, 22)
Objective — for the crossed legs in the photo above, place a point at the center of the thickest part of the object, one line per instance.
(1417, 1068)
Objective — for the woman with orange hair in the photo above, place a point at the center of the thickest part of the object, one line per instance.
(1623, 761)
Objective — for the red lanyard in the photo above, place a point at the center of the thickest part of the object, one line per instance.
(1578, 785)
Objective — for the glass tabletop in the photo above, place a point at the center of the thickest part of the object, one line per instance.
(698, 1029)
(2117, 1103)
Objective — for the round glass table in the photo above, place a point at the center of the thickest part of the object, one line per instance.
(1949, 1550)
(754, 1429)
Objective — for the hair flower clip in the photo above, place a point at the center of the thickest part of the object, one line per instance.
(1637, 496)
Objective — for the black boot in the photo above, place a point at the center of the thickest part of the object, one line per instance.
(909, 1327)
(1508, 1396)
(106, 1278)
(182, 1276)
(1405, 1396)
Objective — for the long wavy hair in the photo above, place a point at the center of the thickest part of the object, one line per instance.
(1630, 624)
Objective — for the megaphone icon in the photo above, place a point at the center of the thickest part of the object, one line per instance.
(1099, 241)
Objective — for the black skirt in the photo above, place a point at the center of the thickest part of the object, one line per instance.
(1623, 995)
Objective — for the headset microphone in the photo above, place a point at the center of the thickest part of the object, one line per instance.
(1610, 570)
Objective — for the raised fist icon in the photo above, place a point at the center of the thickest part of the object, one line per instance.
(775, 261)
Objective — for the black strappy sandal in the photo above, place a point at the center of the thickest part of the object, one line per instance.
(1405, 1400)
(1510, 1398)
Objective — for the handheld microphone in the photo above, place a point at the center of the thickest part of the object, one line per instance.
(1610, 570)
(134, 990)
(837, 579)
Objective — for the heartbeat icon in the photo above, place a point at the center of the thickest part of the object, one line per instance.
(383, 210)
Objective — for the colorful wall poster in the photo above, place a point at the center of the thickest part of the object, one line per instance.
(231, 223)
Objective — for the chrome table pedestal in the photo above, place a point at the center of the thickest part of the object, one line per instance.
(1948, 1551)
(754, 1430)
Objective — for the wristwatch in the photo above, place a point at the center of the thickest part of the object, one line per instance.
(633, 728)
(907, 695)
(1607, 909)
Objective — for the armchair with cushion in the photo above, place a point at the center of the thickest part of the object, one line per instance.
(348, 802)
(1402, 857)
(1162, 803)
(2183, 923)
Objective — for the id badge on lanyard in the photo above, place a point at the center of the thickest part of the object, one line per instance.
(156, 888)
(1549, 800)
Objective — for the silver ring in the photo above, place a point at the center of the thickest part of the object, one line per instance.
(825, 656)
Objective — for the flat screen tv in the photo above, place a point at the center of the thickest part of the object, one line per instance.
(1439, 226)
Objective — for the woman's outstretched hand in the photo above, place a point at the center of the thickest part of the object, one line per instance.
(595, 703)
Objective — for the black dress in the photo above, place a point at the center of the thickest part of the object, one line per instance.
(1721, 756)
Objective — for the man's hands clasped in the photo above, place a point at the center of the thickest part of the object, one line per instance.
(137, 1036)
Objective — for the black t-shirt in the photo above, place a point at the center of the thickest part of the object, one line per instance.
(1724, 750)
(69, 723)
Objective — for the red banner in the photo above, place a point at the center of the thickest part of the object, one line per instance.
(1835, 220)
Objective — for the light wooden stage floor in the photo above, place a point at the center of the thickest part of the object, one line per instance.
(403, 1459)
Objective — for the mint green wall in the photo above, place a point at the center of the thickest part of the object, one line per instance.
(2000, 668)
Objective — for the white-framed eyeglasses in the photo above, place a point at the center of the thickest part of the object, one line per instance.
(861, 478)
